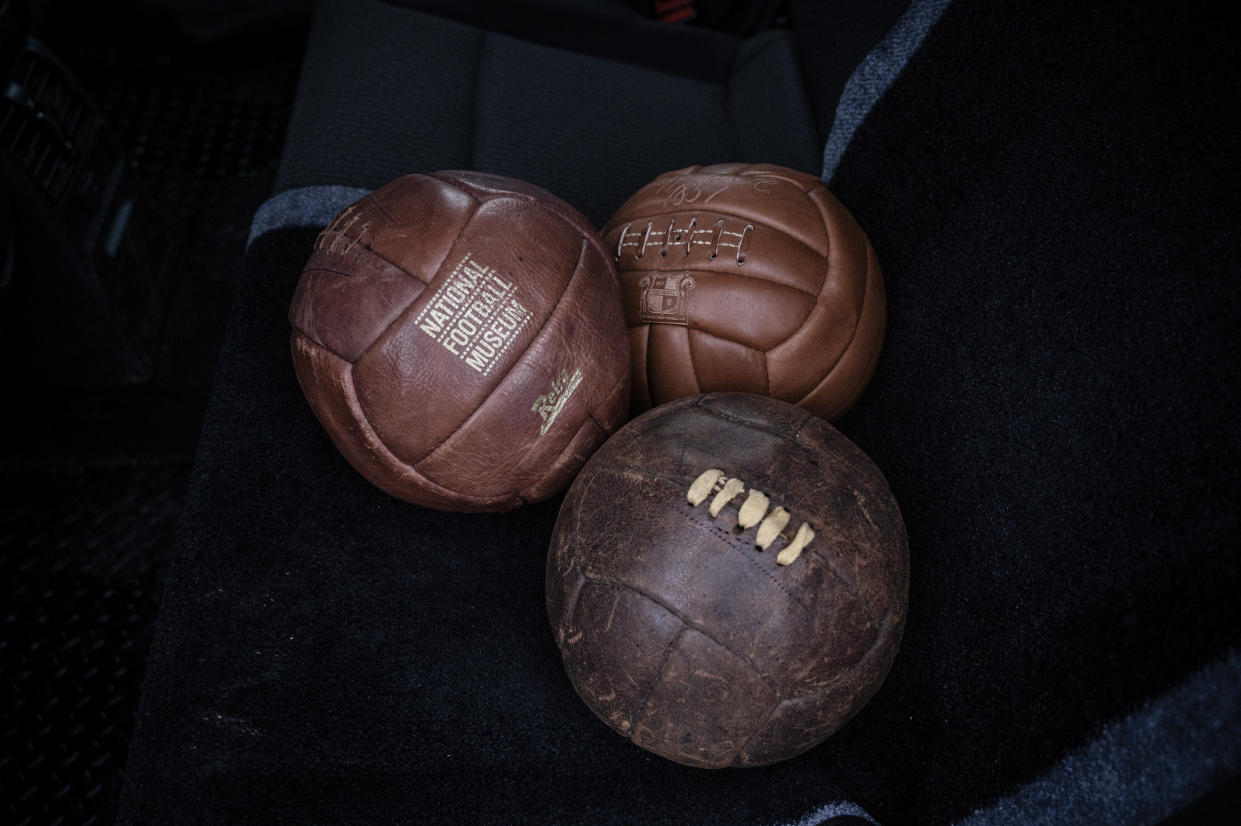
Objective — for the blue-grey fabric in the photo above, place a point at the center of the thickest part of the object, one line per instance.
(307, 206)
(836, 813)
(1144, 767)
(876, 74)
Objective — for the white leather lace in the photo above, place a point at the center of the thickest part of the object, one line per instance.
(753, 511)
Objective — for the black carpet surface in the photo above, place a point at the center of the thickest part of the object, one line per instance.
(1052, 190)
(1055, 191)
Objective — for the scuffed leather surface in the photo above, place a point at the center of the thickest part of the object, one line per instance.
(796, 313)
(681, 635)
(410, 414)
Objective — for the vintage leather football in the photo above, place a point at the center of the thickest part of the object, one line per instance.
(727, 580)
(747, 277)
(459, 336)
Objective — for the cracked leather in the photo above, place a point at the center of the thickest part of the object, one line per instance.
(747, 277)
(459, 336)
(685, 638)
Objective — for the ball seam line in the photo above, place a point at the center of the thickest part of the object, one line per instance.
(850, 587)
(646, 372)
(640, 708)
(508, 372)
(732, 761)
(693, 367)
(570, 614)
(370, 198)
(863, 377)
(866, 297)
(749, 274)
(573, 565)
(436, 488)
(766, 372)
(518, 360)
(763, 353)
(684, 621)
(592, 236)
(607, 402)
(382, 334)
(554, 465)
(814, 302)
(397, 266)
(746, 550)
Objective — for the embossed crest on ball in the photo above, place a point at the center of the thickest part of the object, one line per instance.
(665, 298)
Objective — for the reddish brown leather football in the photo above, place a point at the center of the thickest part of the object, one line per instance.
(727, 580)
(459, 336)
(747, 277)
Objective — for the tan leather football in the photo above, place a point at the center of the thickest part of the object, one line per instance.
(459, 336)
(747, 277)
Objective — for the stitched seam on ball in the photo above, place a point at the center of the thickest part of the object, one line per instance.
(749, 275)
(747, 550)
(693, 368)
(728, 417)
(866, 297)
(750, 347)
(827, 224)
(370, 197)
(570, 614)
(327, 269)
(542, 327)
(797, 433)
(687, 623)
(436, 488)
(712, 210)
(799, 506)
(872, 363)
(383, 333)
(771, 713)
(605, 404)
(744, 276)
(591, 236)
(554, 465)
(397, 266)
(873, 651)
(849, 587)
(797, 503)
(640, 708)
(646, 372)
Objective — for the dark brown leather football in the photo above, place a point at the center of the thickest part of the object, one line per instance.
(727, 580)
(747, 277)
(460, 338)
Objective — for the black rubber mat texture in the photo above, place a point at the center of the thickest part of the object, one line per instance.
(82, 558)
(91, 481)
(203, 124)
